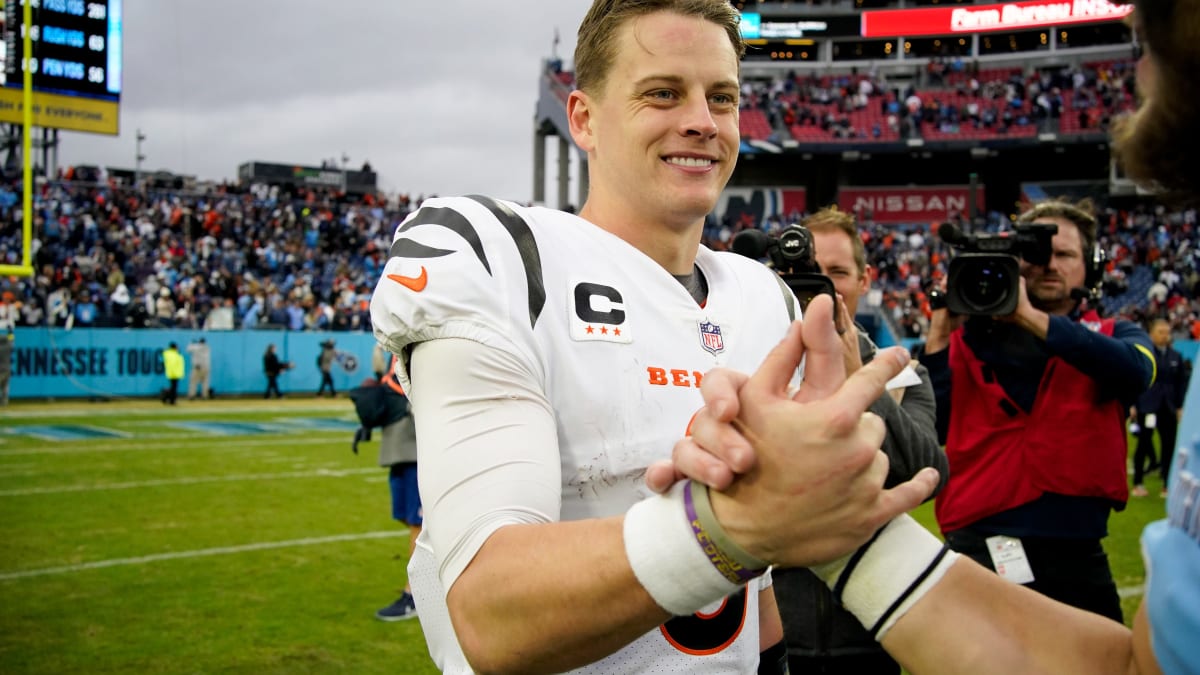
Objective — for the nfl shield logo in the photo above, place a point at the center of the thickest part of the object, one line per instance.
(710, 337)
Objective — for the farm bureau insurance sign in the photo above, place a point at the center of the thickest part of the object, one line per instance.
(985, 18)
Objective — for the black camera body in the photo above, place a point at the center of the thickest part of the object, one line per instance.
(984, 279)
(793, 256)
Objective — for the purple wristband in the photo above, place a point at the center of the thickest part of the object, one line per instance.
(709, 535)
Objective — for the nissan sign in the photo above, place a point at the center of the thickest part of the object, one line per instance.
(908, 205)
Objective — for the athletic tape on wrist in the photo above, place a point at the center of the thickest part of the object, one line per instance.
(884, 578)
(668, 559)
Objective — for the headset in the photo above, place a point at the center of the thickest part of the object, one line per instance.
(1094, 265)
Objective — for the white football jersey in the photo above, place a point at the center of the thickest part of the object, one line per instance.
(620, 348)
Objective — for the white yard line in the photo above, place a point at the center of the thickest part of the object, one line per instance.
(141, 443)
(156, 409)
(1131, 591)
(21, 468)
(192, 480)
(179, 555)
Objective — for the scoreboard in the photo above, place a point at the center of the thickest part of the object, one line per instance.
(76, 63)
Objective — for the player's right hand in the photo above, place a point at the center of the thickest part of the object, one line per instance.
(814, 491)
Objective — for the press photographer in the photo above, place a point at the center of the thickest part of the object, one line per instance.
(821, 636)
(1031, 406)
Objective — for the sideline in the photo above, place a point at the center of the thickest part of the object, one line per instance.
(180, 555)
(318, 473)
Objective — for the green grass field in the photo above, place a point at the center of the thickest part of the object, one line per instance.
(236, 536)
(261, 546)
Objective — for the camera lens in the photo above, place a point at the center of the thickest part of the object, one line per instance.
(985, 285)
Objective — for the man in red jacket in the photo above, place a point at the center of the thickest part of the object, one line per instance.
(1032, 407)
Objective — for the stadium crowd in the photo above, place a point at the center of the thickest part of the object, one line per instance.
(255, 258)
(229, 258)
(949, 98)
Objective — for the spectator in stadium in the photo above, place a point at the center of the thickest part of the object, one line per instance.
(201, 379)
(164, 308)
(532, 445)
(174, 367)
(325, 360)
(118, 302)
(10, 310)
(254, 311)
(1031, 407)
(1159, 408)
(822, 637)
(273, 367)
(6, 353)
(382, 403)
(84, 310)
(981, 623)
(221, 317)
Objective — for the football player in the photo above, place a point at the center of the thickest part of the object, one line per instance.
(550, 358)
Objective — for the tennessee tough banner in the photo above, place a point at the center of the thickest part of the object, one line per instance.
(985, 18)
(908, 204)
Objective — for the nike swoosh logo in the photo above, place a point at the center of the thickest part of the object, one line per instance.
(416, 283)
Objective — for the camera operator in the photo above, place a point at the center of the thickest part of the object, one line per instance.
(1031, 407)
(821, 636)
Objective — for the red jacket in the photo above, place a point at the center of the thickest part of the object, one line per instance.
(1071, 443)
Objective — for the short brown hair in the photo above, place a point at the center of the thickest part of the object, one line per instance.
(595, 49)
(1082, 214)
(833, 219)
(1158, 145)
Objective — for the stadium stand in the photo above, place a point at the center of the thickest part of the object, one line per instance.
(232, 257)
(979, 105)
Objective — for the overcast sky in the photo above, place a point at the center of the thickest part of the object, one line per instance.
(439, 96)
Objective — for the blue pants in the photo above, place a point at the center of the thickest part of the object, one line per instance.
(406, 500)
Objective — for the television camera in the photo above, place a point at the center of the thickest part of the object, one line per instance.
(793, 256)
(984, 278)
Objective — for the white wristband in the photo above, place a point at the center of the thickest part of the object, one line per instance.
(881, 581)
(667, 559)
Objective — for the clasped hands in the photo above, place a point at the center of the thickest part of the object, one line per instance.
(796, 477)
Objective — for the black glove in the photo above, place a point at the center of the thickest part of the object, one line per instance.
(361, 434)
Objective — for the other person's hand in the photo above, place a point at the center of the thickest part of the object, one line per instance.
(802, 473)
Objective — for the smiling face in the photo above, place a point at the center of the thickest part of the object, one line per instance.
(662, 133)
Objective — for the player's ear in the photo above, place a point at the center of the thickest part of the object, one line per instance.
(579, 115)
(864, 281)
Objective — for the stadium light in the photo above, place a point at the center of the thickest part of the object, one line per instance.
(138, 158)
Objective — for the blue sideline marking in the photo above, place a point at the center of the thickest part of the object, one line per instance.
(64, 432)
(328, 423)
(232, 428)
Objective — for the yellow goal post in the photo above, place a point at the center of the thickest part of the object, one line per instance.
(25, 269)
